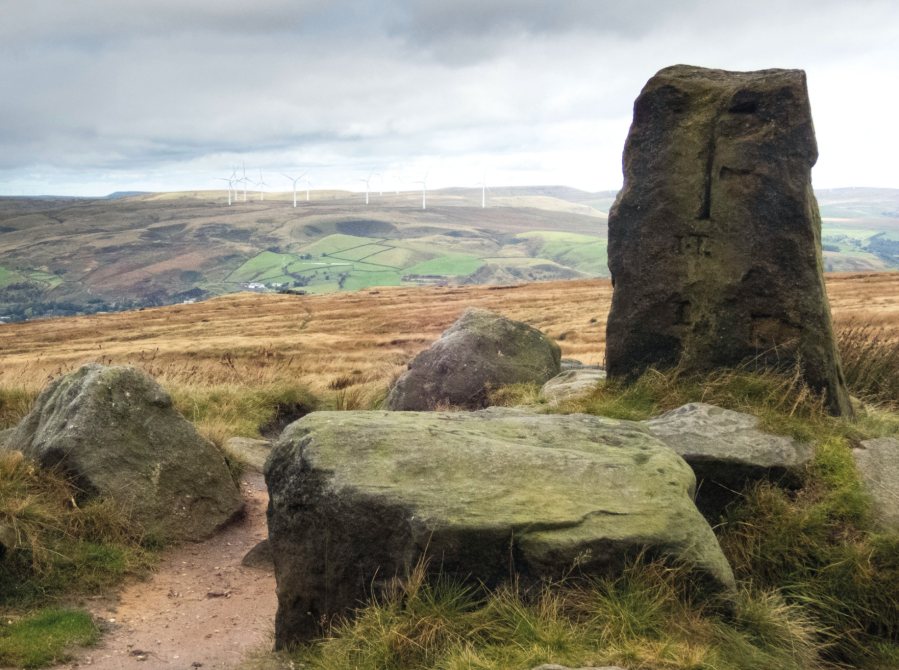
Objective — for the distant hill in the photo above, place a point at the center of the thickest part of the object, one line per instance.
(75, 256)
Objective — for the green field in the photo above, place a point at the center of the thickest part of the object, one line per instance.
(585, 253)
(448, 266)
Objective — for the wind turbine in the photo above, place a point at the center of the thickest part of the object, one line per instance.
(230, 182)
(308, 184)
(366, 185)
(295, 187)
(484, 189)
(261, 186)
(381, 177)
(244, 180)
(424, 189)
(398, 178)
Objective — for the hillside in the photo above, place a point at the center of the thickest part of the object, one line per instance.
(61, 257)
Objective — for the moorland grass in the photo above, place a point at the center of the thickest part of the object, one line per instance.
(646, 618)
(65, 544)
(45, 638)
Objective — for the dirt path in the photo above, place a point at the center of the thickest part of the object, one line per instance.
(200, 609)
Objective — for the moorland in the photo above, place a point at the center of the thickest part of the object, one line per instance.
(62, 257)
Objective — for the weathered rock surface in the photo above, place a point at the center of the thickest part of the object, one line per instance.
(715, 239)
(259, 557)
(878, 464)
(482, 350)
(357, 498)
(727, 451)
(572, 384)
(115, 434)
(253, 452)
(4, 438)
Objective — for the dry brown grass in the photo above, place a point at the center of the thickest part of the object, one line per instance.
(346, 346)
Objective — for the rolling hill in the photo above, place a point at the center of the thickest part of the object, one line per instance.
(63, 256)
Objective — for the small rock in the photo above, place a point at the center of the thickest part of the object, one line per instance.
(878, 464)
(253, 452)
(727, 451)
(259, 557)
(571, 384)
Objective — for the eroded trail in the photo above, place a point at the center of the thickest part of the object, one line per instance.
(201, 608)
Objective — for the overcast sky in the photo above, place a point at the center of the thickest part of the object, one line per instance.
(104, 95)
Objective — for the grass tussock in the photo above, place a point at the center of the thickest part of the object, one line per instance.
(64, 544)
(646, 618)
(45, 638)
(871, 363)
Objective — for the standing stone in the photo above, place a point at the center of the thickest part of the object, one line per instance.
(715, 239)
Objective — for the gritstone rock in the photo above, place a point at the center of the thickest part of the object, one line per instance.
(727, 451)
(253, 452)
(115, 434)
(715, 239)
(571, 384)
(259, 557)
(358, 498)
(878, 464)
(481, 351)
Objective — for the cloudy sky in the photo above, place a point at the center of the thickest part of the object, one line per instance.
(105, 95)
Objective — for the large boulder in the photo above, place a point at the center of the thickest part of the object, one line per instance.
(250, 451)
(878, 465)
(727, 451)
(358, 498)
(481, 351)
(715, 238)
(114, 432)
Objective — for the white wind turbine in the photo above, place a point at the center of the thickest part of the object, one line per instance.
(366, 185)
(230, 181)
(381, 177)
(245, 180)
(484, 189)
(400, 179)
(308, 185)
(424, 189)
(261, 186)
(295, 187)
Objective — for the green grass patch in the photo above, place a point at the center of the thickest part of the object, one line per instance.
(359, 280)
(333, 244)
(65, 542)
(262, 267)
(446, 266)
(585, 253)
(45, 638)
(359, 253)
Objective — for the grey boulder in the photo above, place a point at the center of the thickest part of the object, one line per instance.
(572, 384)
(253, 452)
(878, 464)
(726, 451)
(358, 498)
(479, 352)
(259, 557)
(114, 433)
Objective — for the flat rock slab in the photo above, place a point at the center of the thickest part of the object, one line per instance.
(358, 498)
(878, 464)
(572, 384)
(726, 451)
(253, 452)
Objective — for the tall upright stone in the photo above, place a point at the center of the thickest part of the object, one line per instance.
(715, 239)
